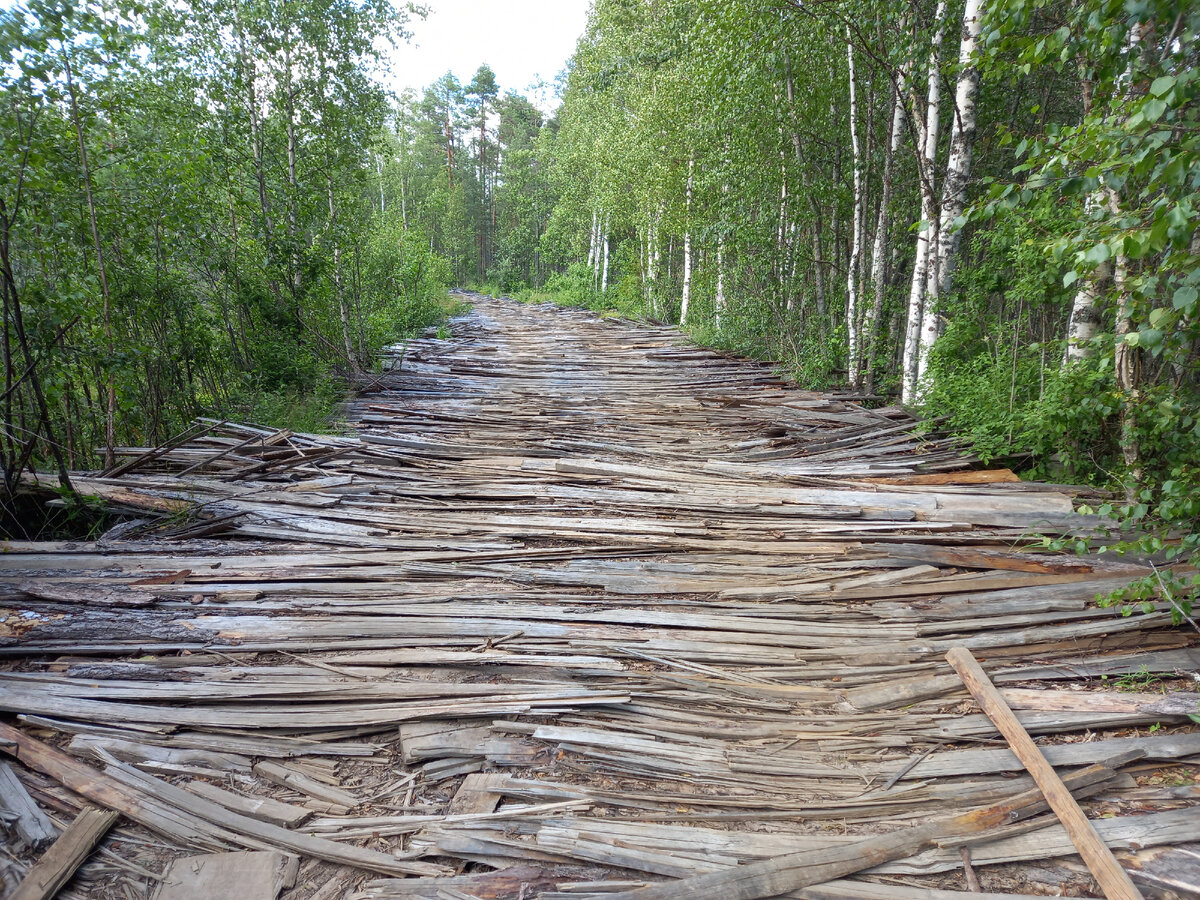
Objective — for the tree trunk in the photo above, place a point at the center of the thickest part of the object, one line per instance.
(687, 245)
(592, 243)
(852, 363)
(1084, 321)
(720, 297)
(881, 246)
(819, 271)
(338, 293)
(1127, 358)
(604, 240)
(954, 186)
(654, 260)
(1085, 317)
(924, 263)
(962, 145)
(8, 283)
(293, 225)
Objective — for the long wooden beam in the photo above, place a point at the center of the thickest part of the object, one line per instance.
(1113, 880)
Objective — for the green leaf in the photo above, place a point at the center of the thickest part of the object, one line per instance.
(1070, 278)
(1185, 297)
(1162, 84)
(1149, 337)
(1153, 109)
(1098, 254)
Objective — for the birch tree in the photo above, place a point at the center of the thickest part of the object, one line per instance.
(926, 133)
(954, 189)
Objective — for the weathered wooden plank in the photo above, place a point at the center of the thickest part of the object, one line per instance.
(1113, 880)
(247, 875)
(58, 864)
(32, 825)
(266, 808)
(168, 809)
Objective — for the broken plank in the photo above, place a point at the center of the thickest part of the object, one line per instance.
(58, 864)
(246, 875)
(173, 811)
(32, 825)
(267, 809)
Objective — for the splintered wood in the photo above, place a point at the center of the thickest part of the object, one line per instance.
(579, 610)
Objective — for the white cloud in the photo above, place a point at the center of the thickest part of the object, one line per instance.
(524, 41)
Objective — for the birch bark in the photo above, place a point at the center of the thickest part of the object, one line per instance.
(856, 235)
(687, 245)
(881, 247)
(927, 136)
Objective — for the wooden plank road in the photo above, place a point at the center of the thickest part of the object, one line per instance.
(684, 617)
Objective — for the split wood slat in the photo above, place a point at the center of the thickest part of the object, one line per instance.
(148, 809)
(266, 808)
(1113, 880)
(32, 825)
(558, 542)
(286, 776)
(58, 864)
(792, 871)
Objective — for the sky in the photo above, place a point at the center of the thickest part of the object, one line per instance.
(522, 40)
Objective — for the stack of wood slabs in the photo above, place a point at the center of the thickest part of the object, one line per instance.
(579, 606)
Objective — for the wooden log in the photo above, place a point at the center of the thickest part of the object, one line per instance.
(1113, 879)
(58, 864)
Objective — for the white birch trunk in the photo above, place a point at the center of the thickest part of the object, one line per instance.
(962, 145)
(1126, 358)
(687, 245)
(720, 299)
(954, 187)
(926, 236)
(592, 243)
(1085, 317)
(879, 250)
(856, 234)
(604, 240)
(654, 257)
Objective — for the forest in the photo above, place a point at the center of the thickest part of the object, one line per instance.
(982, 209)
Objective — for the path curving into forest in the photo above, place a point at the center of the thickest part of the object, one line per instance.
(577, 602)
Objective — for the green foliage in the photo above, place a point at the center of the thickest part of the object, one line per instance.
(997, 372)
(188, 218)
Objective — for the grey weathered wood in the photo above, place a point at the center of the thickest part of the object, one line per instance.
(287, 776)
(570, 545)
(266, 808)
(56, 866)
(944, 763)
(1175, 869)
(32, 825)
(247, 875)
(1113, 880)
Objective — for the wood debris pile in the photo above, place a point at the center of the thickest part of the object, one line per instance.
(581, 611)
